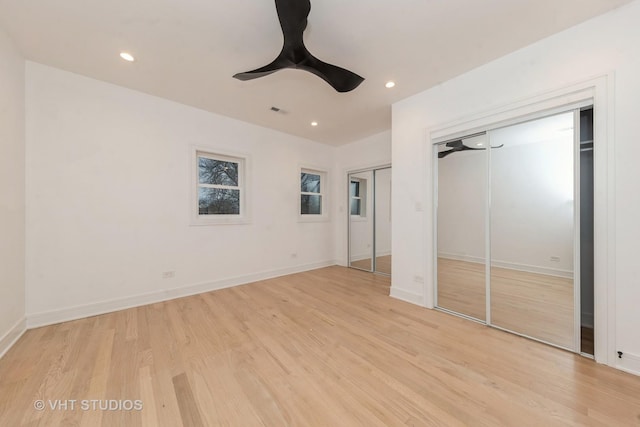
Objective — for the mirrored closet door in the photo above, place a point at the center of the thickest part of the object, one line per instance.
(532, 229)
(382, 220)
(361, 220)
(507, 210)
(461, 222)
(370, 220)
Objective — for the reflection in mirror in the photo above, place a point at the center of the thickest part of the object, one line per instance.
(382, 217)
(532, 229)
(361, 220)
(461, 206)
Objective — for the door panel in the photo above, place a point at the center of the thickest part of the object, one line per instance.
(532, 229)
(361, 220)
(382, 218)
(461, 219)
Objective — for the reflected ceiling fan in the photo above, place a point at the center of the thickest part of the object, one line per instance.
(458, 145)
(293, 20)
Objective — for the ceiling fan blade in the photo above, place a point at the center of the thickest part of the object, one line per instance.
(443, 154)
(271, 68)
(465, 148)
(293, 21)
(259, 72)
(455, 144)
(292, 15)
(340, 79)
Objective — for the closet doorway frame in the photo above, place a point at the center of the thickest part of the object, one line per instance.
(597, 93)
(573, 109)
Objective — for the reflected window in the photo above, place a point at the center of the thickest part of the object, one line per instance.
(357, 194)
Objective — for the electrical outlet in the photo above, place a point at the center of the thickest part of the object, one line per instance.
(554, 259)
(418, 279)
(168, 274)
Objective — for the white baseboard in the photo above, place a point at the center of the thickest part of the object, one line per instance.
(629, 363)
(407, 296)
(360, 257)
(511, 265)
(13, 334)
(462, 257)
(35, 320)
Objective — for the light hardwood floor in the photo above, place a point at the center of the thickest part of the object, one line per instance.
(322, 348)
(532, 304)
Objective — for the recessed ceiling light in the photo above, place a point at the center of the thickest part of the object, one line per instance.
(127, 56)
(314, 123)
(390, 84)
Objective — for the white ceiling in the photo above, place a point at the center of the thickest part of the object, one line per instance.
(187, 50)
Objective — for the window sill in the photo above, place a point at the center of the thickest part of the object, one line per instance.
(199, 222)
(313, 218)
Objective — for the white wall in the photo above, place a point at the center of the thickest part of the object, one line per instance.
(365, 153)
(605, 44)
(12, 164)
(108, 197)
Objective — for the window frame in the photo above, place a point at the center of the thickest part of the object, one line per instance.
(362, 191)
(243, 168)
(324, 196)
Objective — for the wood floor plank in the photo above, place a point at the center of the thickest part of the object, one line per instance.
(322, 348)
(189, 411)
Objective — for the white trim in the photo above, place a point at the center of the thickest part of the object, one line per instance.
(35, 320)
(12, 336)
(604, 221)
(517, 112)
(629, 363)
(244, 184)
(601, 91)
(407, 296)
(361, 256)
(325, 185)
(434, 200)
(577, 209)
(488, 189)
(366, 168)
